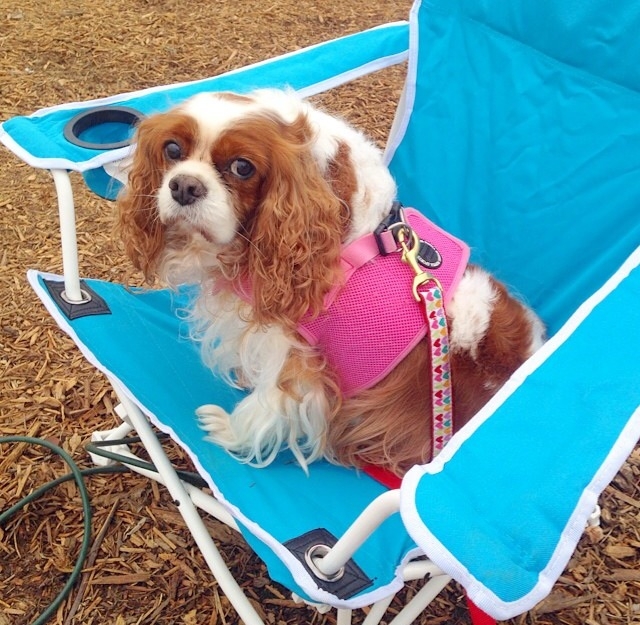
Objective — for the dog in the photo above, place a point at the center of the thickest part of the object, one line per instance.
(254, 197)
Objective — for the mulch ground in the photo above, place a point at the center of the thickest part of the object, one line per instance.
(143, 565)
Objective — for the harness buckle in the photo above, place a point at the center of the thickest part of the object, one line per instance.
(393, 220)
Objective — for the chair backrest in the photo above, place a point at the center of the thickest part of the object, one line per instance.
(521, 134)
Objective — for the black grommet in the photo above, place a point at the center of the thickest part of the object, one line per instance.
(319, 551)
(95, 117)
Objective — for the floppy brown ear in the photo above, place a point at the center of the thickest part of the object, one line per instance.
(138, 224)
(294, 259)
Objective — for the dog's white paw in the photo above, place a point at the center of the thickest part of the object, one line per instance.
(216, 422)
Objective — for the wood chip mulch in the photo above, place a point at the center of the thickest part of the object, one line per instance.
(143, 567)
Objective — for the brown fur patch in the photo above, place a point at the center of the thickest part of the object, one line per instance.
(505, 346)
(342, 178)
(290, 218)
(138, 222)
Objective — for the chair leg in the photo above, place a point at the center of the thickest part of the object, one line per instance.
(421, 600)
(377, 611)
(66, 210)
(187, 509)
(344, 616)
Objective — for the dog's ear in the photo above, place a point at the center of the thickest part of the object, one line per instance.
(138, 224)
(296, 236)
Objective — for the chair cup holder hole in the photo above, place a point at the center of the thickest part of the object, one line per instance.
(103, 127)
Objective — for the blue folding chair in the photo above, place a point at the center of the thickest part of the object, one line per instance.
(519, 132)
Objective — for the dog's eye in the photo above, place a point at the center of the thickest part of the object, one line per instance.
(242, 168)
(172, 151)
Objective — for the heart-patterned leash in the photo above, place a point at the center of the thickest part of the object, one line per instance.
(427, 288)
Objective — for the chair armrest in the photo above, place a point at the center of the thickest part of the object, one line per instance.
(503, 506)
(38, 139)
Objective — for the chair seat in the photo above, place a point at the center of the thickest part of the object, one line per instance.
(143, 343)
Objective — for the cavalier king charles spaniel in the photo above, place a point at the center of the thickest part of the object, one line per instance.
(254, 197)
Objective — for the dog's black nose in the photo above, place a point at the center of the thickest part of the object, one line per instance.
(186, 189)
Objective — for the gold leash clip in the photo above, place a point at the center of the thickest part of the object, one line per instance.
(410, 257)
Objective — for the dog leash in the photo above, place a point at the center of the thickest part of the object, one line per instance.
(428, 290)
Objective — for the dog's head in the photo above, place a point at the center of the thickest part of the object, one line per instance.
(264, 186)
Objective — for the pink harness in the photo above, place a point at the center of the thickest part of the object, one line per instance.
(372, 322)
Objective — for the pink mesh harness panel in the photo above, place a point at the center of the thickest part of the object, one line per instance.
(372, 322)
